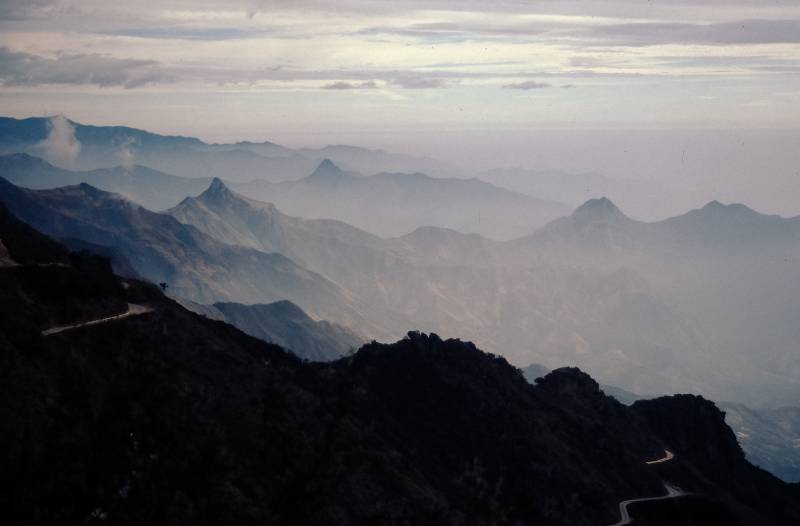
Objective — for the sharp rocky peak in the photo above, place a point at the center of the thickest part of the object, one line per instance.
(216, 191)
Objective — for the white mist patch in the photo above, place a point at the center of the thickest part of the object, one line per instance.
(125, 154)
(61, 147)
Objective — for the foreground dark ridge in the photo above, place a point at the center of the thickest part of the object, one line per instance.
(171, 418)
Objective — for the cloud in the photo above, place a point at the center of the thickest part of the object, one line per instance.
(567, 29)
(418, 82)
(451, 32)
(25, 69)
(727, 33)
(60, 147)
(192, 33)
(585, 62)
(404, 81)
(528, 85)
(342, 85)
(125, 153)
(29, 9)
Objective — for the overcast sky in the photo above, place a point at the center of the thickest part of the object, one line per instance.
(299, 71)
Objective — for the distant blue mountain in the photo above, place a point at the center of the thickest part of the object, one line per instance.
(150, 188)
(393, 204)
(107, 146)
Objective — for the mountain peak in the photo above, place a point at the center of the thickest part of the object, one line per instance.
(327, 171)
(717, 209)
(217, 185)
(570, 377)
(716, 205)
(601, 209)
(216, 190)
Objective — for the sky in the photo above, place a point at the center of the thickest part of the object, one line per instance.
(402, 73)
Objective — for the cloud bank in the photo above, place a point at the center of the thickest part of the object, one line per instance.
(25, 69)
(635, 56)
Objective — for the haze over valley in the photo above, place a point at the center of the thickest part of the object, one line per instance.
(702, 302)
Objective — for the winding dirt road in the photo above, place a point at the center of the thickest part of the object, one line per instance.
(133, 310)
(672, 492)
(668, 455)
(625, 518)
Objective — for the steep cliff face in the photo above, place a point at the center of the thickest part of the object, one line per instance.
(167, 417)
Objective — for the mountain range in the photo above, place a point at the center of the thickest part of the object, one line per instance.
(406, 201)
(703, 302)
(171, 417)
(150, 188)
(572, 189)
(652, 307)
(92, 147)
(726, 268)
(393, 204)
(194, 265)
